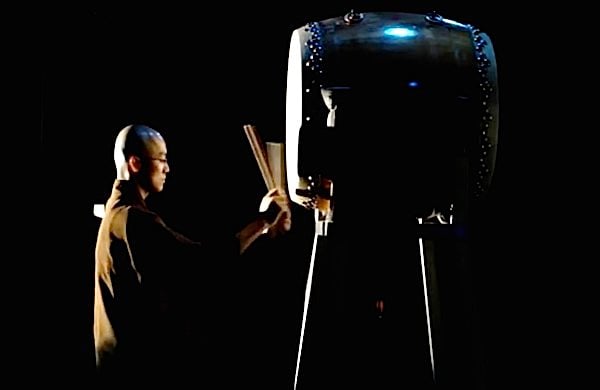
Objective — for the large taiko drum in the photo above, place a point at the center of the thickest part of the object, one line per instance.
(385, 97)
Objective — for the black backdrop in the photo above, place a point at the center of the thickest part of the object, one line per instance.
(198, 75)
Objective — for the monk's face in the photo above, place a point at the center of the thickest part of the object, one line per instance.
(155, 167)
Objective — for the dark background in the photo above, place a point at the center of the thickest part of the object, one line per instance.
(198, 75)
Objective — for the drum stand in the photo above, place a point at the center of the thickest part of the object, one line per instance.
(323, 213)
(443, 249)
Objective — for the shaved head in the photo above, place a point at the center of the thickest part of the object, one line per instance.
(133, 140)
(138, 148)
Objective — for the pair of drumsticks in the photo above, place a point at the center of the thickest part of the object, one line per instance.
(260, 155)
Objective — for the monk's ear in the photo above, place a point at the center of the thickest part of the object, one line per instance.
(135, 164)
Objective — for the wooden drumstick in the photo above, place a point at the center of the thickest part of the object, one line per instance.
(260, 155)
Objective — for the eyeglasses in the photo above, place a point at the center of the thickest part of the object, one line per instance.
(161, 160)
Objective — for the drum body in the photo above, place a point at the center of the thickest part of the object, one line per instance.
(380, 98)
